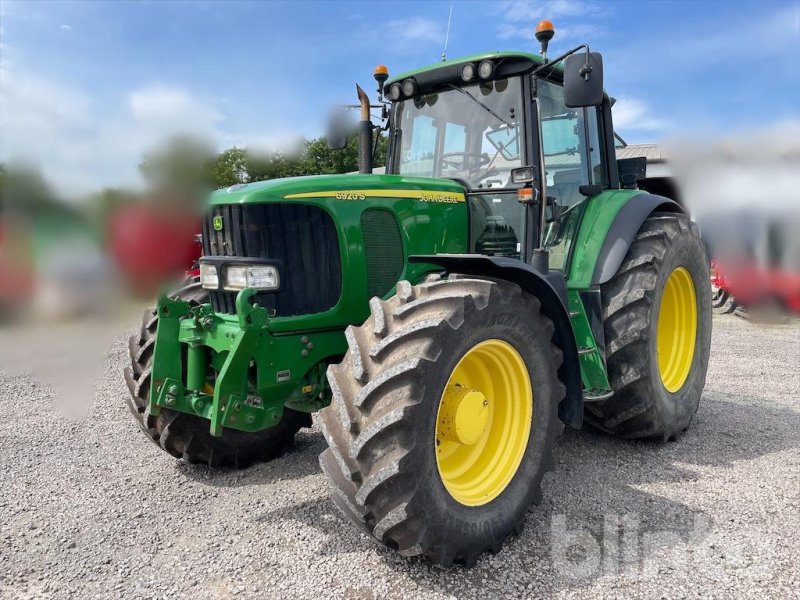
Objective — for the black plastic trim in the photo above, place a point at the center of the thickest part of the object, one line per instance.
(607, 131)
(551, 290)
(624, 228)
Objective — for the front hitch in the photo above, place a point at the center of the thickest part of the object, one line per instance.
(230, 404)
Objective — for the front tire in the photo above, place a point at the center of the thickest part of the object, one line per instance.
(657, 321)
(187, 436)
(430, 456)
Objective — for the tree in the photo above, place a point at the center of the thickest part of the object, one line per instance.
(184, 165)
(274, 165)
(230, 168)
(189, 166)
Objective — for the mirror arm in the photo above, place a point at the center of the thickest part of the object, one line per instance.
(585, 70)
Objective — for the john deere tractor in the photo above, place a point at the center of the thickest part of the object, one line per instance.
(503, 278)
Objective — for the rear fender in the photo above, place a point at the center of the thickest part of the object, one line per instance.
(624, 228)
(551, 290)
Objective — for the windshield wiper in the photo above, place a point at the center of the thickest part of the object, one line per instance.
(474, 99)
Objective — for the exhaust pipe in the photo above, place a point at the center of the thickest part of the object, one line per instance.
(364, 134)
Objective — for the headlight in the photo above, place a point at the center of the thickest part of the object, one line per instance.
(395, 91)
(208, 276)
(258, 277)
(409, 87)
(468, 72)
(485, 69)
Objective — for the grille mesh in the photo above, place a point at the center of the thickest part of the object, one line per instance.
(302, 237)
(383, 249)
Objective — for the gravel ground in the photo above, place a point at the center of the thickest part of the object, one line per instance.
(90, 508)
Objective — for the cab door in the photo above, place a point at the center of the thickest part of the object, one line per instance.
(572, 156)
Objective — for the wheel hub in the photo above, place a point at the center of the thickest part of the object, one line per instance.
(464, 415)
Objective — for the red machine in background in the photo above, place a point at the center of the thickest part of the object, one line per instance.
(748, 285)
(151, 245)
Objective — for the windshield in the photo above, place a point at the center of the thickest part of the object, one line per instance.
(469, 133)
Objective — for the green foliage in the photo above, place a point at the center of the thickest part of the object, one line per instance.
(187, 165)
(183, 164)
(273, 165)
(230, 167)
(24, 191)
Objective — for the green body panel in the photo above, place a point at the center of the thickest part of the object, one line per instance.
(593, 367)
(275, 190)
(426, 227)
(598, 215)
(580, 249)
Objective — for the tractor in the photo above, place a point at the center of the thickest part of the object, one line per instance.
(446, 318)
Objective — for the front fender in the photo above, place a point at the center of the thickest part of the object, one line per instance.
(551, 290)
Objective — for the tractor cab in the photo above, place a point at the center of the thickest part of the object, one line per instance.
(529, 140)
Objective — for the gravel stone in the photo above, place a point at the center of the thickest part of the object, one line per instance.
(90, 509)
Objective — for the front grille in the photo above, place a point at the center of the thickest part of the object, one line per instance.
(383, 249)
(302, 237)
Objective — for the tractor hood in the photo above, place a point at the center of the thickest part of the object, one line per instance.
(341, 187)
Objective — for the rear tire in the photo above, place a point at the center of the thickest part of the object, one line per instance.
(187, 436)
(642, 405)
(384, 422)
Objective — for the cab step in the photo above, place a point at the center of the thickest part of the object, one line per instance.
(597, 395)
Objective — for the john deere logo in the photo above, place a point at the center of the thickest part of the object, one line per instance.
(217, 222)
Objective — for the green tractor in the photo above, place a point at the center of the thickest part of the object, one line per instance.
(503, 278)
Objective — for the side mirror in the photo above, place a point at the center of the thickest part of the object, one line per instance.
(339, 128)
(583, 80)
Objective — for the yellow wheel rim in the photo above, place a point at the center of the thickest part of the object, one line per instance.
(677, 329)
(483, 422)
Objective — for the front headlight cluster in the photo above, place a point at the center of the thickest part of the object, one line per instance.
(238, 277)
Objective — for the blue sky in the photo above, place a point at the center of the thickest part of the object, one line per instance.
(87, 87)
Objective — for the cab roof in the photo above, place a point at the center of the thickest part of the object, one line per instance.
(521, 57)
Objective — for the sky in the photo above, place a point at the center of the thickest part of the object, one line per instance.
(86, 88)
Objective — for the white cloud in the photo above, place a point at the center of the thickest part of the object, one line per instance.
(634, 114)
(519, 19)
(575, 32)
(79, 148)
(418, 29)
(533, 11)
(43, 123)
(65, 27)
(173, 110)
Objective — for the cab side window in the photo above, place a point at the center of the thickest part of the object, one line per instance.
(569, 162)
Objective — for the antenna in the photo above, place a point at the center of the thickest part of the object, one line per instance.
(447, 35)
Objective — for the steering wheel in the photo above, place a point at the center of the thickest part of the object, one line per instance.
(450, 159)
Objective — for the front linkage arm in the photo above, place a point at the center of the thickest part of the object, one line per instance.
(230, 404)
